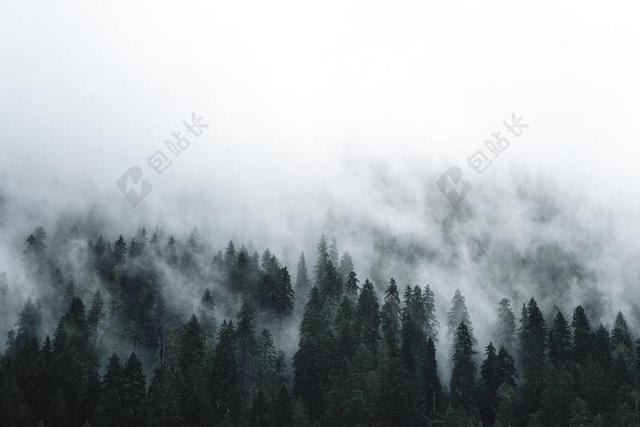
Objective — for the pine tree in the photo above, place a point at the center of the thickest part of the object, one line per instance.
(582, 337)
(120, 250)
(96, 312)
(487, 396)
(135, 249)
(206, 319)
(112, 408)
(458, 314)
(367, 319)
(224, 375)
(133, 394)
(267, 364)
(345, 268)
(580, 414)
(506, 327)
(431, 321)
(390, 318)
(303, 284)
(413, 339)
(533, 349)
(282, 409)
(620, 333)
(394, 402)
(326, 273)
(463, 374)
(346, 342)
(191, 363)
(602, 348)
(351, 286)
(333, 252)
(247, 347)
(432, 389)
(283, 303)
(507, 372)
(313, 361)
(171, 252)
(559, 341)
(259, 410)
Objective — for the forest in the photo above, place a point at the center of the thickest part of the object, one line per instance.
(109, 348)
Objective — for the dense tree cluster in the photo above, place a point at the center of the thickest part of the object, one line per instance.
(366, 356)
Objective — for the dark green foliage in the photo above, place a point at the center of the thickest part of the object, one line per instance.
(303, 283)
(533, 354)
(367, 318)
(313, 360)
(505, 334)
(582, 337)
(464, 370)
(283, 409)
(96, 313)
(559, 341)
(390, 318)
(327, 279)
(458, 314)
(357, 363)
(433, 398)
(351, 285)
(394, 403)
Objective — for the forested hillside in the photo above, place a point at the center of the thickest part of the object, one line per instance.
(111, 336)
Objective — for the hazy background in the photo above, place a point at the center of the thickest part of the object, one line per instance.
(336, 117)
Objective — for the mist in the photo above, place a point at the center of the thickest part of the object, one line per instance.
(336, 120)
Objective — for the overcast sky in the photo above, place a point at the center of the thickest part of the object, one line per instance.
(301, 96)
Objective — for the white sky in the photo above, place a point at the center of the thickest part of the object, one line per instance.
(295, 89)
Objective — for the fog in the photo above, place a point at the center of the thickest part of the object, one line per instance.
(337, 119)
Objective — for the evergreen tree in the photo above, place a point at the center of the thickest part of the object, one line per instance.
(390, 318)
(224, 375)
(191, 364)
(394, 402)
(464, 370)
(206, 319)
(431, 321)
(490, 383)
(345, 268)
(458, 314)
(247, 347)
(120, 250)
(432, 389)
(282, 409)
(506, 327)
(267, 364)
(112, 409)
(96, 312)
(507, 372)
(326, 274)
(259, 410)
(133, 394)
(582, 337)
(367, 319)
(602, 348)
(620, 333)
(346, 337)
(312, 362)
(303, 284)
(333, 252)
(559, 341)
(351, 286)
(533, 354)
